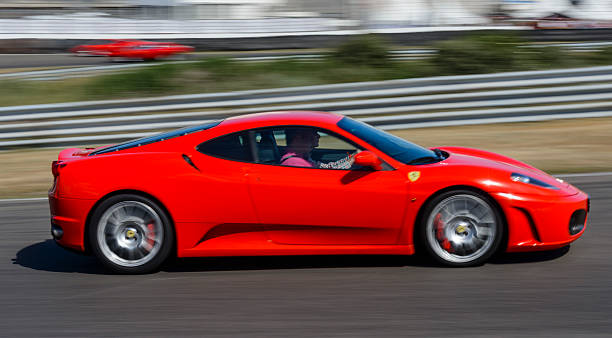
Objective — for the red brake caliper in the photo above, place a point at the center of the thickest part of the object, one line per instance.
(439, 226)
(151, 229)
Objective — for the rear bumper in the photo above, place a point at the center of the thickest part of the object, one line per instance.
(69, 215)
(540, 222)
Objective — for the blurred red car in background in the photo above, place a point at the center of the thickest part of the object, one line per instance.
(133, 49)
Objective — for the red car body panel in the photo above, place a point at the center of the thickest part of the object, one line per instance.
(228, 208)
(136, 49)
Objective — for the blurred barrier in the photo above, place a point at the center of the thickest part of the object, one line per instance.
(394, 104)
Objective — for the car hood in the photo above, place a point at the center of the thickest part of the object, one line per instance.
(500, 168)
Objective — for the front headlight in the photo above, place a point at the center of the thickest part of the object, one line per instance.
(516, 177)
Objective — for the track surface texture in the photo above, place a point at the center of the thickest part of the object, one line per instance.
(8, 61)
(50, 60)
(47, 291)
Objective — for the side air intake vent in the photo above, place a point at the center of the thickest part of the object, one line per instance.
(576, 223)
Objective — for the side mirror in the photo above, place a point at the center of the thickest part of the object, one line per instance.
(368, 159)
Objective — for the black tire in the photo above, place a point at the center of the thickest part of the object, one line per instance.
(460, 236)
(130, 234)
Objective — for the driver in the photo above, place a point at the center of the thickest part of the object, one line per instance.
(300, 143)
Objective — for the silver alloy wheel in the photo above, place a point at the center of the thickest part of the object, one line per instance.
(130, 233)
(461, 228)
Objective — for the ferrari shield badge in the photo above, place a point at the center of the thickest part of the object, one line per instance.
(414, 175)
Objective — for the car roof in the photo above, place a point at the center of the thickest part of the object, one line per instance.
(285, 117)
(242, 122)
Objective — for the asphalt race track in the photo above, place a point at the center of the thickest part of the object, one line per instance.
(11, 61)
(47, 291)
(8, 61)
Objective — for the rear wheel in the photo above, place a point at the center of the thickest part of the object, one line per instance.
(130, 234)
(461, 228)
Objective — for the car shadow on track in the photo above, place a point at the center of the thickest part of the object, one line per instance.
(48, 256)
(337, 261)
(530, 257)
(289, 262)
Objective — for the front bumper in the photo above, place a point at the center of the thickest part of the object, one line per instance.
(540, 222)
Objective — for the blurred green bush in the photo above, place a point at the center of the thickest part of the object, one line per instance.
(368, 49)
(491, 52)
(601, 57)
(152, 79)
(478, 53)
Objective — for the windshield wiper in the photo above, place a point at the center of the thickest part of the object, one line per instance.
(440, 155)
(424, 160)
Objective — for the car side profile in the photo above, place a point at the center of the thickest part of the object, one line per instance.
(302, 183)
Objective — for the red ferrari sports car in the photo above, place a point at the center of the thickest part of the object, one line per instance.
(302, 183)
(133, 49)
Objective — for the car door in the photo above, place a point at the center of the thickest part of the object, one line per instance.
(305, 205)
(221, 195)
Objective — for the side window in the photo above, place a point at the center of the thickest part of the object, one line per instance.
(230, 147)
(267, 145)
(303, 147)
(330, 147)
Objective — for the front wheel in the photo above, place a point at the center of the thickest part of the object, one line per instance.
(461, 228)
(130, 234)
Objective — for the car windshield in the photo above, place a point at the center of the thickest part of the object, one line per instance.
(398, 148)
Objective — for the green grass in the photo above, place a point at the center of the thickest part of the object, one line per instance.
(208, 75)
(214, 75)
(494, 52)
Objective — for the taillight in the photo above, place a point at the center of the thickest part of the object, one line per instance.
(55, 167)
